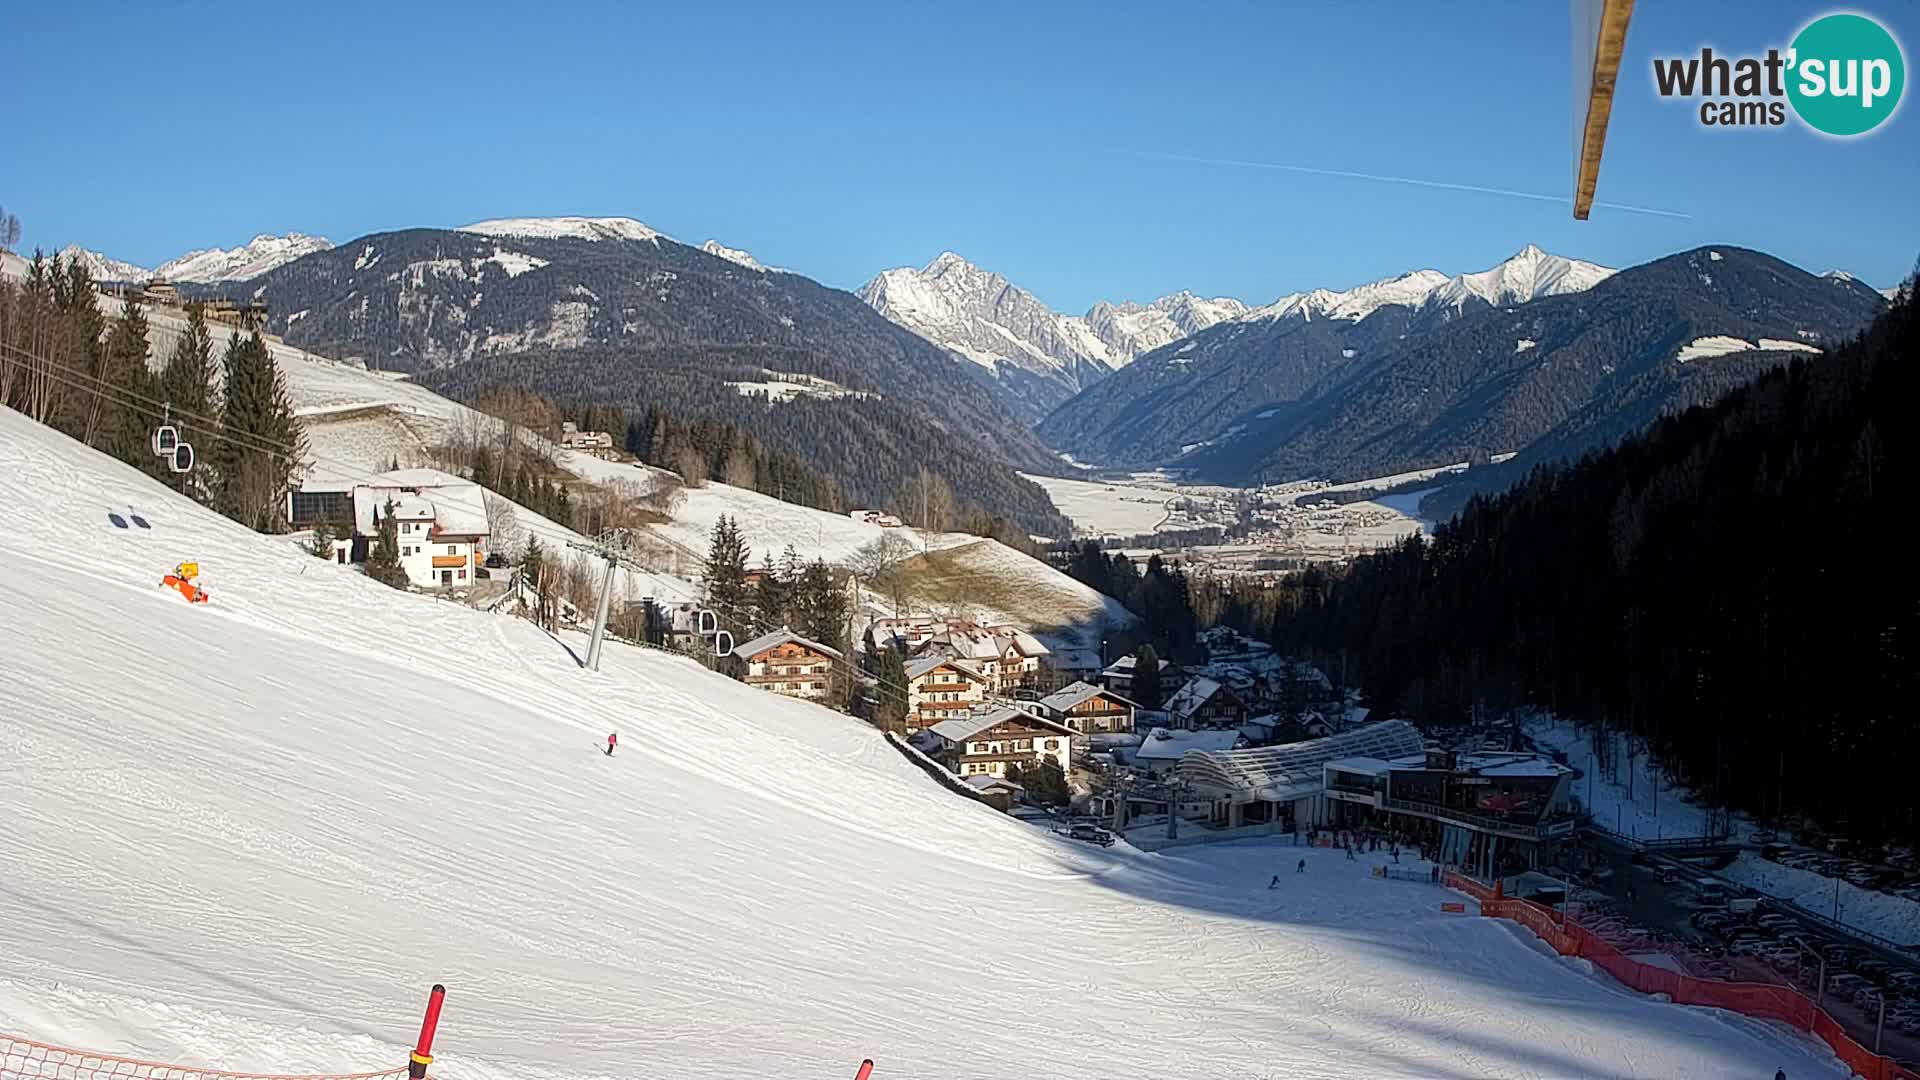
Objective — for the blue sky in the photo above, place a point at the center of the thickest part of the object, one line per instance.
(1044, 140)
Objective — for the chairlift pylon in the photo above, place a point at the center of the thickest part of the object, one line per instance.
(182, 458)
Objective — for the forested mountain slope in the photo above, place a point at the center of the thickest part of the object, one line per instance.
(606, 310)
(1729, 585)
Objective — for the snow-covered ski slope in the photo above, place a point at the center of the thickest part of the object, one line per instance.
(250, 833)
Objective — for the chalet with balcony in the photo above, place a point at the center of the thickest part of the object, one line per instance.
(942, 688)
(783, 662)
(985, 743)
(1089, 710)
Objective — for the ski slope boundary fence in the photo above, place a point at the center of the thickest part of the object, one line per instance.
(1763, 1001)
(27, 1059)
(24, 1058)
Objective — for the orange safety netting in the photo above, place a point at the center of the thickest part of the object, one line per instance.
(1763, 1000)
(30, 1060)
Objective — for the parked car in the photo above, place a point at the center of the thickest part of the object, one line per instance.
(1764, 836)
(1775, 921)
(1844, 984)
(1092, 834)
(1874, 969)
(1905, 979)
(1867, 997)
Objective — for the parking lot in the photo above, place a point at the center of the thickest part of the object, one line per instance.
(1651, 907)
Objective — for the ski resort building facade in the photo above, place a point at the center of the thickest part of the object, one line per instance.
(1483, 811)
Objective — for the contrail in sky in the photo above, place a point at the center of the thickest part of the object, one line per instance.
(1412, 181)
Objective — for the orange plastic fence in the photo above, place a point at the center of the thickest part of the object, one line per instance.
(1763, 1000)
(32, 1060)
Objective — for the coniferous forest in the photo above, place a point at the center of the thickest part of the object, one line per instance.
(1727, 585)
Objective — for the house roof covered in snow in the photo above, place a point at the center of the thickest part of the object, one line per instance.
(750, 649)
(961, 729)
(1191, 698)
(925, 664)
(984, 782)
(1165, 744)
(1078, 694)
(1124, 666)
(1295, 770)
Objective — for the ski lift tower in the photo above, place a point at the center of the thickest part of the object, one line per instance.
(620, 547)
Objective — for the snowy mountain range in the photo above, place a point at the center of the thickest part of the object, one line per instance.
(1036, 356)
(103, 267)
(738, 255)
(249, 260)
(566, 228)
(1039, 358)
(1529, 274)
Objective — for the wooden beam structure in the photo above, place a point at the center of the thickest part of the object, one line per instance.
(1608, 42)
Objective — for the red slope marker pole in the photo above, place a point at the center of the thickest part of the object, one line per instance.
(866, 1070)
(423, 1051)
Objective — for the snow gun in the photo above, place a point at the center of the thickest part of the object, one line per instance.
(181, 580)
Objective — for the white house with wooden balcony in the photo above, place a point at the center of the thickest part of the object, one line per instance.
(440, 524)
(985, 743)
(1089, 709)
(942, 688)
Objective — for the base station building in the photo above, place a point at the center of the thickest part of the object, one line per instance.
(1487, 812)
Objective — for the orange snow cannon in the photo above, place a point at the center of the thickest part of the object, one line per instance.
(181, 581)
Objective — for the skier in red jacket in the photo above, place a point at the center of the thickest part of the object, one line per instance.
(613, 740)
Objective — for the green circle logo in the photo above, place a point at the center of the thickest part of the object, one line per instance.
(1847, 74)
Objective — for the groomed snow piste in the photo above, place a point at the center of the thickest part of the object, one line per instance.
(249, 834)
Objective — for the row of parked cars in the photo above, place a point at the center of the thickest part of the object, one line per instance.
(1853, 974)
(1894, 870)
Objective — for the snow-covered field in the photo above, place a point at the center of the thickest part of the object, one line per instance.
(249, 834)
(1099, 509)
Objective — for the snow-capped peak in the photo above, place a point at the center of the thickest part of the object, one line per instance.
(1531, 273)
(736, 255)
(1408, 290)
(559, 228)
(103, 267)
(979, 315)
(1839, 275)
(250, 260)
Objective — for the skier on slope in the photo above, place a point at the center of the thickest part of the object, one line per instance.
(1275, 883)
(613, 740)
(1302, 868)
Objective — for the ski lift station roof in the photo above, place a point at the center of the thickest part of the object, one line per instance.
(1296, 770)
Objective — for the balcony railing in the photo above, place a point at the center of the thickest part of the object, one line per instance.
(1485, 823)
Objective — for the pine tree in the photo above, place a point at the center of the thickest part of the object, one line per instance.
(126, 431)
(726, 573)
(74, 294)
(383, 561)
(260, 442)
(821, 606)
(772, 597)
(321, 546)
(186, 384)
(890, 670)
(1146, 677)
